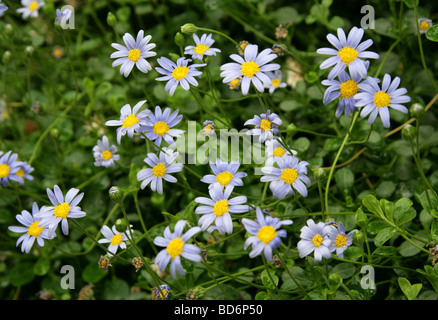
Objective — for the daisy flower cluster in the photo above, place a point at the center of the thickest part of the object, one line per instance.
(12, 169)
(322, 239)
(42, 223)
(355, 88)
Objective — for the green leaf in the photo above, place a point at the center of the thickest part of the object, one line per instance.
(116, 289)
(344, 180)
(410, 291)
(384, 236)
(92, 273)
(403, 211)
(266, 279)
(345, 270)
(301, 144)
(425, 202)
(21, 274)
(385, 189)
(42, 266)
(372, 204)
(434, 230)
(410, 3)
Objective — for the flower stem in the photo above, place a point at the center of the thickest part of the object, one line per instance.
(332, 168)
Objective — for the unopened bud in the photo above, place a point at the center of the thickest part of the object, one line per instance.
(29, 51)
(121, 225)
(9, 29)
(6, 57)
(116, 194)
(189, 28)
(179, 39)
(319, 173)
(408, 132)
(111, 19)
(417, 110)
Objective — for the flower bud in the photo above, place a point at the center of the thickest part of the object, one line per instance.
(29, 51)
(417, 110)
(189, 28)
(121, 225)
(358, 237)
(116, 194)
(111, 19)
(179, 39)
(319, 173)
(6, 57)
(9, 29)
(291, 127)
(54, 133)
(409, 132)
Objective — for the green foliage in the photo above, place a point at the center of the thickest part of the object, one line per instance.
(364, 176)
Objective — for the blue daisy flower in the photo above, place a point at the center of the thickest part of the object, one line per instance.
(349, 53)
(32, 230)
(158, 126)
(177, 248)
(9, 168)
(202, 48)
(314, 238)
(252, 67)
(345, 88)
(225, 174)
(266, 125)
(160, 169)
(266, 236)
(216, 210)
(340, 241)
(130, 120)
(290, 175)
(377, 101)
(178, 73)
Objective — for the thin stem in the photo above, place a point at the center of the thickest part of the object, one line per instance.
(332, 169)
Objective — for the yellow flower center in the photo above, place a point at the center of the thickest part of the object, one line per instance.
(349, 88)
(35, 230)
(201, 48)
(224, 178)
(130, 121)
(276, 82)
(208, 129)
(20, 173)
(347, 55)
(278, 152)
(107, 155)
(161, 128)
(180, 72)
(116, 239)
(62, 210)
(340, 241)
(33, 5)
(4, 170)
(289, 175)
(266, 234)
(57, 53)
(382, 99)
(424, 25)
(175, 247)
(317, 240)
(234, 83)
(159, 170)
(249, 68)
(220, 208)
(134, 55)
(265, 125)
